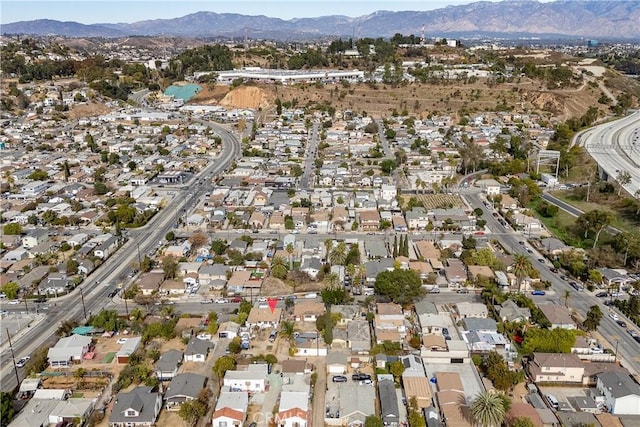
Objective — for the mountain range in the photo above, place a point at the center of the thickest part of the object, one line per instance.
(605, 19)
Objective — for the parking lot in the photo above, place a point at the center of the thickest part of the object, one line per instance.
(564, 395)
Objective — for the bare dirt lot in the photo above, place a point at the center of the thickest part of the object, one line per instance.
(420, 99)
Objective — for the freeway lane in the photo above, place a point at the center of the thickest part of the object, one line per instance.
(95, 292)
(628, 349)
(615, 146)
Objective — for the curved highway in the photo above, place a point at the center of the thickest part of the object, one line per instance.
(615, 146)
(141, 241)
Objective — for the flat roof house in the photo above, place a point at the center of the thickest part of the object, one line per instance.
(68, 351)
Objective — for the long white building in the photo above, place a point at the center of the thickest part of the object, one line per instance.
(286, 76)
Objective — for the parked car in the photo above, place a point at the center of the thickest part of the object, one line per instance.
(360, 377)
(339, 379)
(613, 316)
(311, 295)
(366, 382)
(622, 323)
(602, 295)
(222, 301)
(435, 290)
(236, 299)
(207, 301)
(538, 292)
(463, 291)
(23, 361)
(121, 340)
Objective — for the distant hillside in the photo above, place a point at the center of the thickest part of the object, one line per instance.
(510, 18)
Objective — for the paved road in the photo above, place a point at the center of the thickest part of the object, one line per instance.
(141, 241)
(578, 301)
(311, 156)
(615, 146)
(572, 210)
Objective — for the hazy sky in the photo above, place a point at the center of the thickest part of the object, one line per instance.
(116, 11)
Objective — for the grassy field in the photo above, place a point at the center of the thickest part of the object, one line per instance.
(624, 215)
(561, 225)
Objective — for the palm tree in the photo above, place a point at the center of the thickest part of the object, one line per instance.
(339, 254)
(566, 296)
(277, 260)
(418, 184)
(287, 330)
(487, 409)
(332, 280)
(289, 250)
(521, 268)
(328, 244)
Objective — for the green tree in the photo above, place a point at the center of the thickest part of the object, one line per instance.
(287, 330)
(170, 236)
(235, 345)
(387, 166)
(402, 286)
(191, 411)
(522, 422)
(488, 410)
(10, 289)
(594, 221)
(594, 315)
(12, 229)
(522, 268)
(169, 267)
(373, 421)
(38, 175)
(557, 340)
(219, 246)
(6, 408)
(338, 254)
(397, 369)
(222, 365)
(279, 271)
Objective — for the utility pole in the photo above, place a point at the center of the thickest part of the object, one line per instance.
(13, 358)
(126, 307)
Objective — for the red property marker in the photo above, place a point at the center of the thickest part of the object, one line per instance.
(272, 303)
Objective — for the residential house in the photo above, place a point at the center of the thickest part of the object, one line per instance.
(620, 392)
(253, 378)
(389, 405)
(150, 282)
(347, 313)
(185, 387)
(455, 272)
(417, 218)
(34, 238)
(471, 309)
(208, 274)
(128, 348)
(510, 312)
(336, 362)
(166, 368)
(69, 351)
(479, 324)
(231, 409)
(556, 368)
(45, 412)
(294, 409)
(359, 336)
(309, 344)
(55, 283)
(451, 399)
(107, 247)
(264, 318)
(418, 388)
(352, 405)
(369, 220)
(138, 408)
(86, 266)
(308, 311)
(228, 330)
(413, 366)
(197, 350)
(558, 315)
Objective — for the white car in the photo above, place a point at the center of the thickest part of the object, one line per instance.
(613, 316)
(20, 363)
(121, 340)
(311, 296)
(222, 301)
(14, 302)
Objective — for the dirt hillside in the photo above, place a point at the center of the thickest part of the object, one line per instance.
(241, 97)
